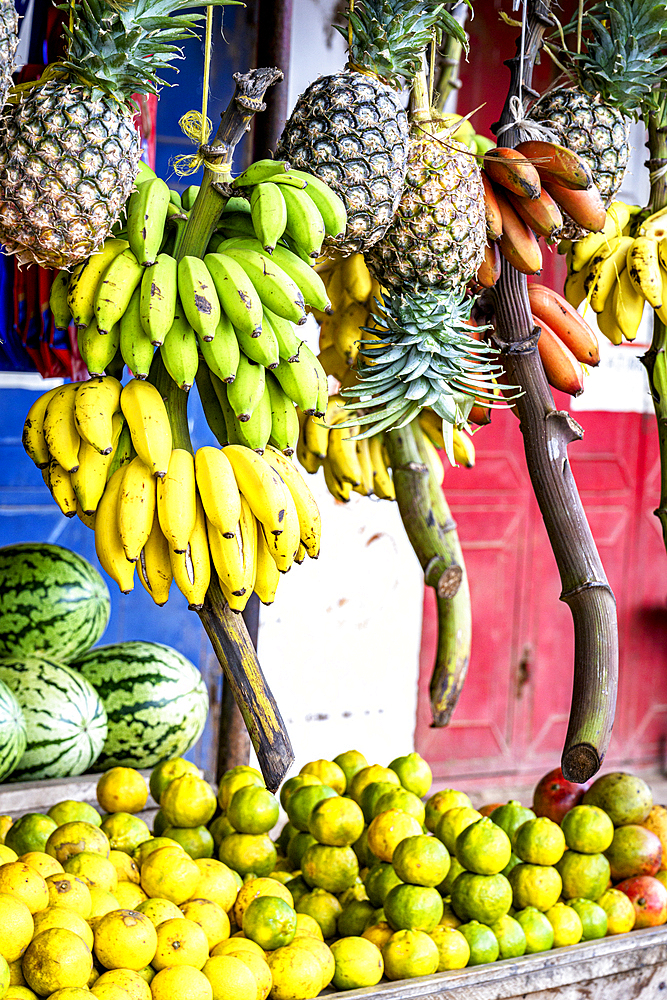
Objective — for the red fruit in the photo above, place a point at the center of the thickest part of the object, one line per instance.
(554, 795)
(487, 810)
(634, 851)
(649, 898)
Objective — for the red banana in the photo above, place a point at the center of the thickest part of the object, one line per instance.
(512, 171)
(561, 368)
(489, 270)
(494, 221)
(557, 164)
(584, 207)
(518, 244)
(541, 214)
(551, 308)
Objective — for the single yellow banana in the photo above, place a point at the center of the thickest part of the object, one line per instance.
(310, 522)
(248, 525)
(87, 519)
(60, 433)
(574, 290)
(108, 545)
(90, 479)
(269, 498)
(62, 491)
(364, 455)
(307, 459)
(176, 500)
(628, 306)
(218, 489)
(33, 438)
(383, 484)
(136, 508)
(227, 556)
(348, 332)
(644, 269)
(356, 278)
(431, 424)
(95, 404)
(608, 325)
(316, 436)
(115, 290)
(267, 576)
(339, 490)
(435, 466)
(342, 455)
(606, 273)
(464, 449)
(154, 565)
(86, 278)
(192, 568)
(300, 554)
(147, 419)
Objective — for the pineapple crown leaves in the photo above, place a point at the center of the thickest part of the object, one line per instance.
(422, 355)
(625, 57)
(120, 48)
(389, 36)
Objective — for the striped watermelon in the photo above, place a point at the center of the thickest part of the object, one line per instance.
(53, 603)
(12, 731)
(155, 698)
(66, 724)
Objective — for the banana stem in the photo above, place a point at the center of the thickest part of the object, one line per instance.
(433, 536)
(176, 402)
(546, 434)
(654, 360)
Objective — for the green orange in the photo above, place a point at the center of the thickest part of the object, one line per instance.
(270, 922)
(593, 918)
(413, 907)
(536, 886)
(587, 829)
(453, 949)
(350, 762)
(539, 842)
(409, 954)
(323, 907)
(366, 775)
(401, 798)
(511, 816)
(336, 821)
(537, 929)
(253, 809)
(483, 847)
(414, 773)
(485, 898)
(583, 875)
(441, 802)
(482, 942)
(380, 879)
(510, 936)
(421, 860)
(566, 925)
(330, 868)
(302, 802)
(453, 822)
(291, 785)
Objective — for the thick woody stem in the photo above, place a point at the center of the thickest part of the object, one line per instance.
(547, 434)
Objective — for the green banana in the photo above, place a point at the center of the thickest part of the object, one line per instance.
(98, 349)
(231, 423)
(260, 170)
(304, 221)
(146, 217)
(158, 298)
(189, 196)
(273, 285)
(332, 208)
(198, 296)
(285, 334)
(284, 418)
(322, 381)
(135, 347)
(300, 380)
(179, 351)
(175, 198)
(269, 214)
(222, 353)
(58, 301)
(289, 179)
(115, 289)
(245, 392)
(236, 224)
(255, 432)
(262, 349)
(236, 204)
(301, 272)
(236, 292)
(211, 404)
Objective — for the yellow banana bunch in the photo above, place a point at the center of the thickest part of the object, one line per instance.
(352, 292)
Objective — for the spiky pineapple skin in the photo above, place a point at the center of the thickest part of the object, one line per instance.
(438, 235)
(351, 130)
(592, 128)
(67, 165)
(9, 38)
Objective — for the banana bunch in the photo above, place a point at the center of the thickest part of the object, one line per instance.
(526, 192)
(106, 454)
(618, 269)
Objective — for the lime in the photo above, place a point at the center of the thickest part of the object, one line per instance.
(350, 762)
(454, 822)
(483, 847)
(414, 773)
(510, 936)
(583, 875)
(536, 886)
(511, 816)
(380, 879)
(421, 860)
(413, 907)
(539, 842)
(593, 918)
(566, 924)
(453, 950)
(587, 829)
(253, 809)
(270, 922)
(484, 898)
(482, 942)
(539, 932)
(408, 954)
(442, 802)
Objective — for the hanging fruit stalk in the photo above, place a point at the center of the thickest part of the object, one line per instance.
(433, 536)
(547, 432)
(226, 630)
(655, 359)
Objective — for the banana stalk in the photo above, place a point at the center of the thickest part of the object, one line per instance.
(655, 359)
(546, 434)
(433, 536)
(227, 631)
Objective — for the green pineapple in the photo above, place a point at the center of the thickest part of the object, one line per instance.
(350, 128)
(423, 356)
(612, 79)
(9, 27)
(69, 150)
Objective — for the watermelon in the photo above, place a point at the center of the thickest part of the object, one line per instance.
(66, 724)
(155, 698)
(53, 603)
(12, 731)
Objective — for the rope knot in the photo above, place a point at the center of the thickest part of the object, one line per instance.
(528, 129)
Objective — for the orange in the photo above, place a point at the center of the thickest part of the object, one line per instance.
(413, 907)
(121, 984)
(453, 949)
(587, 829)
(302, 802)
(143, 851)
(211, 918)
(453, 822)
(328, 772)
(230, 979)
(60, 916)
(510, 937)
(387, 831)
(259, 968)
(483, 847)
(449, 918)
(510, 816)
(414, 773)
(195, 840)
(537, 929)
(270, 922)
(366, 775)
(566, 925)
(338, 822)
(232, 780)
(158, 910)
(372, 793)
(29, 833)
(125, 831)
(188, 801)
(56, 959)
(296, 973)
(323, 907)
(219, 828)
(441, 802)
(253, 809)
(321, 951)
(593, 918)
(180, 942)
(127, 869)
(68, 890)
(401, 798)
(455, 869)
(620, 911)
(379, 933)
(72, 838)
(350, 762)
(129, 895)
(359, 963)
(421, 860)
(216, 882)
(408, 954)
(331, 868)
(166, 771)
(125, 939)
(182, 982)
(16, 927)
(298, 846)
(380, 879)
(237, 943)
(69, 810)
(95, 870)
(253, 889)
(249, 853)
(354, 918)
(539, 842)
(485, 898)
(292, 784)
(23, 882)
(171, 874)
(102, 902)
(584, 875)
(42, 863)
(122, 789)
(308, 926)
(536, 886)
(7, 855)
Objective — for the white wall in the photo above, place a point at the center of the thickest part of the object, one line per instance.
(340, 645)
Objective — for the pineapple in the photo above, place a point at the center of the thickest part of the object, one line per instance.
(69, 150)
(612, 80)
(350, 128)
(9, 27)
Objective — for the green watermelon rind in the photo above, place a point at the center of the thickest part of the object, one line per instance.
(12, 731)
(53, 603)
(66, 722)
(156, 701)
